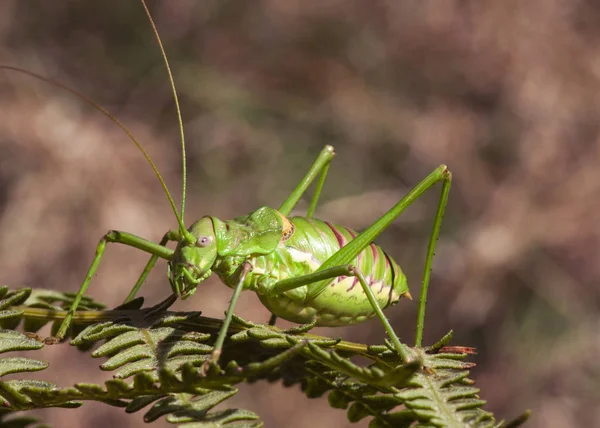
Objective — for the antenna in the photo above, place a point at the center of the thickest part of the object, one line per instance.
(184, 232)
(98, 107)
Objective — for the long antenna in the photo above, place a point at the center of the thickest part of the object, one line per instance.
(176, 99)
(98, 107)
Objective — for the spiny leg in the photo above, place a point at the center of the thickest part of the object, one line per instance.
(320, 166)
(318, 188)
(216, 353)
(114, 237)
(435, 233)
(346, 254)
(171, 235)
(351, 250)
(345, 270)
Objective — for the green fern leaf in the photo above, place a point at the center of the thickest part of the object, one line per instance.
(155, 357)
(14, 393)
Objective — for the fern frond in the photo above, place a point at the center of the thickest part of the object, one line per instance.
(43, 306)
(56, 301)
(13, 392)
(441, 395)
(158, 359)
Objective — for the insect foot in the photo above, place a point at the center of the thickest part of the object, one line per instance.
(211, 366)
(34, 336)
(51, 340)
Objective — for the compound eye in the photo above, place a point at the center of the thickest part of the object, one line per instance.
(204, 241)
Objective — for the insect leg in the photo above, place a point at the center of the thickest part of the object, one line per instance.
(345, 270)
(119, 238)
(273, 319)
(351, 250)
(216, 353)
(320, 166)
(435, 233)
(171, 235)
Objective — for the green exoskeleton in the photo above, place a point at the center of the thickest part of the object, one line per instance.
(302, 269)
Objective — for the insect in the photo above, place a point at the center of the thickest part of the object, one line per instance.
(303, 269)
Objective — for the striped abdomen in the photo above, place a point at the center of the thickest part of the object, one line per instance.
(343, 301)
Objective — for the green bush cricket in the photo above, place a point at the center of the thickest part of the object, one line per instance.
(303, 269)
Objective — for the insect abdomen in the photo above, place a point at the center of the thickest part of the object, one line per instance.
(343, 301)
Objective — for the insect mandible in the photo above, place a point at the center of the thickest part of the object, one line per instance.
(303, 269)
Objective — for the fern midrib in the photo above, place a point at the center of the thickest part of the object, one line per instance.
(430, 386)
(91, 317)
(376, 414)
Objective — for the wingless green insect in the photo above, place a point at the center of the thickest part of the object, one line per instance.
(302, 269)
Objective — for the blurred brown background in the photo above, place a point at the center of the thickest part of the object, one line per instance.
(507, 93)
